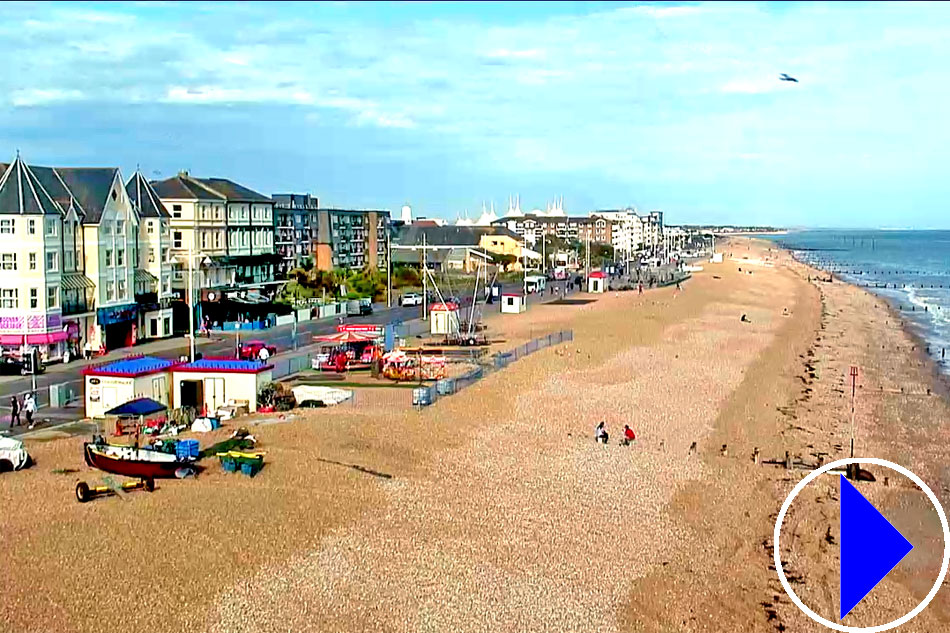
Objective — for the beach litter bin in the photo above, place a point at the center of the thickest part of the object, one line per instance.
(421, 397)
(445, 387)
(187, 449)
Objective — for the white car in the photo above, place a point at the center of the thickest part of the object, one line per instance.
(411, 299)
(12, 454)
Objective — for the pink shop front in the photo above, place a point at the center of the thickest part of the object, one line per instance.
(45, 332)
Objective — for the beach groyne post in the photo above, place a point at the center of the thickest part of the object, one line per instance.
(755, 456)
(854, 379)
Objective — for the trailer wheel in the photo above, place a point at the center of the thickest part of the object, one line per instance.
(6, 466)
(82, 492)
(149, 484)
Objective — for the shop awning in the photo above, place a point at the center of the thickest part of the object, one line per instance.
(11, 339)
(76, 281)
(143, 276)
(42, 339)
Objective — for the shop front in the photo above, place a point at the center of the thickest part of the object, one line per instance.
(44, 333)
(118, 325)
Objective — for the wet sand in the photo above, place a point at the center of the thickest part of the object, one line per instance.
(502, 513)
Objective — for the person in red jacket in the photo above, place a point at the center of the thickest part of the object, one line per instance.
(628, 435)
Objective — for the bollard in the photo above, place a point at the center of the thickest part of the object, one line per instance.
(788, 461)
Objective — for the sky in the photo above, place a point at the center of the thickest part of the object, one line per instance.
(676, 107)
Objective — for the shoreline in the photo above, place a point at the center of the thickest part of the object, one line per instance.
(917, 332)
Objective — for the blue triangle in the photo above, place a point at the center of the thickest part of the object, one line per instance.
(870, 547)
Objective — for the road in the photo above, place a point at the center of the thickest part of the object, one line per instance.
(219, 344)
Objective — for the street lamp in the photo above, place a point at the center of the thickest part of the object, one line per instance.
(191, 296)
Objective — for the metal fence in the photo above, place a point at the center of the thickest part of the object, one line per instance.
(428, 395)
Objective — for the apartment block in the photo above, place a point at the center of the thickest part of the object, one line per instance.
(352, 239)
(295, 230)
(68, 275)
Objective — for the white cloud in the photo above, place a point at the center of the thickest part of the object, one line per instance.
(507, 53)
(48, 96)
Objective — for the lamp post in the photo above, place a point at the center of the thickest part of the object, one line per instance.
(191, 299)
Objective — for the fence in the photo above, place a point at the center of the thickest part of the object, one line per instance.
(428, 395)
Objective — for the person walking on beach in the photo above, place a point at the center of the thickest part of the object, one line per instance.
(14, 411)
(640, 287)
(600, 433)
(628, 435)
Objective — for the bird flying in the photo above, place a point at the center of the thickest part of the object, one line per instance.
(784, 77)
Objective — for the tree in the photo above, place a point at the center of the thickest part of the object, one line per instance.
(503, 260)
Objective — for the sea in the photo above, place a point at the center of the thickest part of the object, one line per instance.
(911, 269)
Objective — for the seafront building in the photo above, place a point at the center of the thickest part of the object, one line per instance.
(352, 239)
(295, 232)
(74, 250)
(461, 248)
(227, 230)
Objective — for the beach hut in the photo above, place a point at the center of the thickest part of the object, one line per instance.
(210, 383)
(444, 318)
(512, 303)
(597, 282)
(115, 383)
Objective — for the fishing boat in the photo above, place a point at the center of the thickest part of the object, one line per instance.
(130, 461)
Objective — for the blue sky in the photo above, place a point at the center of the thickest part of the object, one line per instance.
(663, 106)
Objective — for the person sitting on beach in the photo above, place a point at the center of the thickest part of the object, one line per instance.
(628, 435)
(745, 319)
(600, 433)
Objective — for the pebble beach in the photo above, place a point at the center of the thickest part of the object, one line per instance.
(495, 510)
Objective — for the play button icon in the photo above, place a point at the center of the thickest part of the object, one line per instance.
(870, 547)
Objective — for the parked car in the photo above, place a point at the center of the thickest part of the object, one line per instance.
(411, 299)
(366, 306)
(251, 350)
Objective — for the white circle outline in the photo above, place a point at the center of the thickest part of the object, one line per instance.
(861, 629)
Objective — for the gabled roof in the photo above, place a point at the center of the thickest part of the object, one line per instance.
(90, 186)
(21, 192)
(231, 190)
(182, 187)
(144, 197)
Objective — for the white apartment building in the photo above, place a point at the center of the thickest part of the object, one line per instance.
(626, 231)
(227, 229)
(153, 274)
(89, 252)
(30, 264)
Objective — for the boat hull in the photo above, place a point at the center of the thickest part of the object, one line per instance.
(142, 468)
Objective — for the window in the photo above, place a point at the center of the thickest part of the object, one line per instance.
(176, 239)
(8, 261)
(121, 294)
(168, 325)
(107, 229)
(167, 257)
(68, 260)
(34, 298)
(8, 298)
(120, 257)
(176, 210)
(32, 229)
(32, 261)
(150, 227)
(120, 227)
(52, 297)
(168, 288)
(204, 239)
(204, 211)
(110, 291)
(164, 227)
(108, 257)
(217, 212)
(50, 228)
(6, 227)
(151, 256)
(217, 239)
(52, 262)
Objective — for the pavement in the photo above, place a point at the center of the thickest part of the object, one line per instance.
(217, 344)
